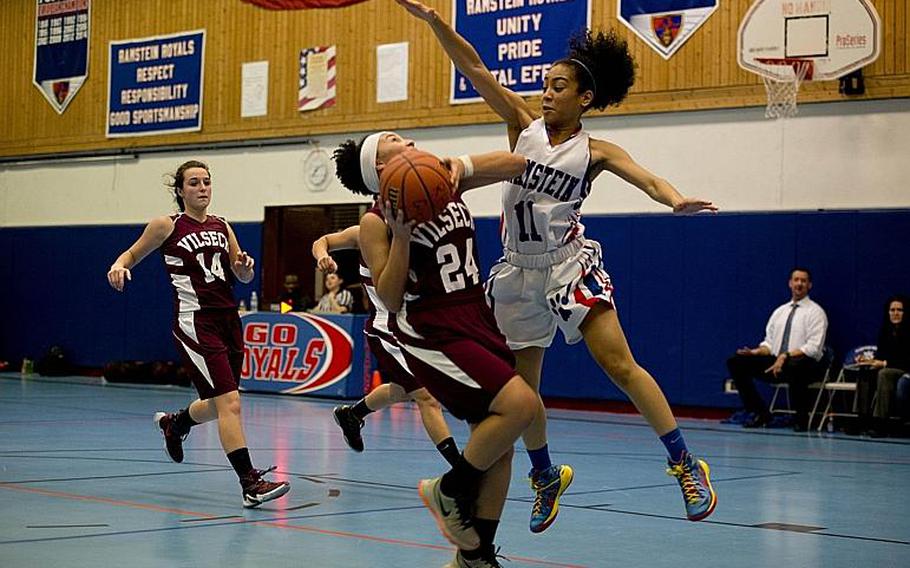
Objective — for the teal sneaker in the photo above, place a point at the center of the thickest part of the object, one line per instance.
(694, 477)
(548, 485)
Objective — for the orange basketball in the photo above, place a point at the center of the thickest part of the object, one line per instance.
(417, 183)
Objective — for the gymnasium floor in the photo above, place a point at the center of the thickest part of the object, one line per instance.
(84, 481)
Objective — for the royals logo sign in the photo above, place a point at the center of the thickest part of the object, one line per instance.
(295, 354)
(665, 25)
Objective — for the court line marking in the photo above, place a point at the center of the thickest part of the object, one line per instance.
(119, 476)
(714, 481)
(605, 508)
(274, 523)
(79, 526)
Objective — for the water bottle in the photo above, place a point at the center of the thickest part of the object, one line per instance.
(830, 426)
(242, 307)
(254, 302)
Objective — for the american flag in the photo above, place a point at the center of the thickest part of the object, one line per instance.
(317, 78)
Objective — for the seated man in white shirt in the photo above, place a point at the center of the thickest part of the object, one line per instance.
(790, 353)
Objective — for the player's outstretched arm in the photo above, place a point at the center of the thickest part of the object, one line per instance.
(488, 168)
(610, 157)
(344, 239)
(241, 263)
(151, 238)
(508, 105)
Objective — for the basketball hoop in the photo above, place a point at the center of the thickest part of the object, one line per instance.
(783, 88)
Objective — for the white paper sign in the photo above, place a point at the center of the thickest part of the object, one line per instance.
(392, 72)
(254, 91)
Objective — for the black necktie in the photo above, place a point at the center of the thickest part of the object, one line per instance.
(785, 338)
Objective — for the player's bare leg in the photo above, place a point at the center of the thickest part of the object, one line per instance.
(607, 343)
(548, 481)
(451, 497)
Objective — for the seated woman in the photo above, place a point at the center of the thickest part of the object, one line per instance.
(336, 300)
(880, 373)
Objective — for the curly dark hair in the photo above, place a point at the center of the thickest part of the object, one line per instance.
(347, 166)
(610, 69)
(176, 179)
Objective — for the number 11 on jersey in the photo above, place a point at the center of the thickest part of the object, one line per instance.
(523, 226)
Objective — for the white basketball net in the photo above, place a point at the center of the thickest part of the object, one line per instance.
(782, 92)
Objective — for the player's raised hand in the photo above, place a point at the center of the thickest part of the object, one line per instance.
(417, 9)
(327, 264)
(394, 218)
(694, 205)
(456, 169)
(117, 277)
(243, 266)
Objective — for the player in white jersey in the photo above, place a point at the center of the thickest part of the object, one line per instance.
(400, 384)
(551, 276)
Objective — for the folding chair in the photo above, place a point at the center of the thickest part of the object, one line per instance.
(779, 388)
(837, 384)
(783, 389)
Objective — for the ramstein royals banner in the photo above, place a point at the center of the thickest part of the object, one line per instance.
(297, 353)
(61, 49)
(155, 85)
(517, 39)
(317, 78)
(665, 25)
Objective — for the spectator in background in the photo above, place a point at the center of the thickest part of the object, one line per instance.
(791, 353)
(336, 300)
(292, 294)
(877, 377)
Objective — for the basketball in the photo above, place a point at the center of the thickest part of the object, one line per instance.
(417, 183)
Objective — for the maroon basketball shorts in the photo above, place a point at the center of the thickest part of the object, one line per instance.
(392, 364)
(211, 344)
(458, 354)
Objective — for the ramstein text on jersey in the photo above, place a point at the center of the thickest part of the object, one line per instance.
(542, 178)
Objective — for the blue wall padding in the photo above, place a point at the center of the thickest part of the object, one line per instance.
(56, 293)
(689, 291)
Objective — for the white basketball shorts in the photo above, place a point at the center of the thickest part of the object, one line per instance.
(533, 295)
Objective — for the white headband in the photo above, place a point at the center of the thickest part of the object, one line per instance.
(368, 160)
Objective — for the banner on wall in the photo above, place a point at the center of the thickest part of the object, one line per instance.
(665, 25)
(316, 88)
(61, 49)
(295, 353)
(301, 4)
(517, 41)
(155, 85)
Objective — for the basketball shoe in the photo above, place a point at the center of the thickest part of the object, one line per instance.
(173, 438)
(453, 515)
(548, 485)
(350, 426)
(694, 477)
(488, 560)
(257, 491)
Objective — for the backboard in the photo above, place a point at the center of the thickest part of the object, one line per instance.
(838, 36)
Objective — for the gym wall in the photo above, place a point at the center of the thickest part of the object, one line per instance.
(824, 190)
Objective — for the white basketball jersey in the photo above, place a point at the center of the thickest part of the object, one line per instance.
(542, 207)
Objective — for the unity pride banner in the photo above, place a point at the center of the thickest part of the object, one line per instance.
(155, 85)
(516, 39)
(61, 49)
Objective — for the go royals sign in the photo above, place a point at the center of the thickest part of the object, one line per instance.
(296, 353)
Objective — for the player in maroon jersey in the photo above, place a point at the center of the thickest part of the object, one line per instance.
(401, 384)
(194, 245)
(448, 335)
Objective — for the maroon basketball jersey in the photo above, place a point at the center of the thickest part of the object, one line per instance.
(196, 258)
(378, 321)
(443, 266)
